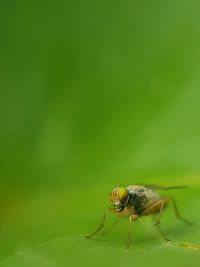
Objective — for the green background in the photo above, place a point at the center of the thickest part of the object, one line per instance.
(95, 94)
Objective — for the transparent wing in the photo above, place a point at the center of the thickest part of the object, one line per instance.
(158, 187)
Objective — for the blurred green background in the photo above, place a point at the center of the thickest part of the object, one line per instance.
(95, 94)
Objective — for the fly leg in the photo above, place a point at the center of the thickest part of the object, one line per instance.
(111, 227)
(130, 233)
(157, 207)
(177, 213)
(101, 225)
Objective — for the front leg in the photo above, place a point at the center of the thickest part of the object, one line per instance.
(132, 218)
(112, 226)
(101, 225)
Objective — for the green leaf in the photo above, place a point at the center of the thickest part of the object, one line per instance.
(94, 95)
(66, 245)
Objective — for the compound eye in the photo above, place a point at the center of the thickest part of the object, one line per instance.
(123, 195)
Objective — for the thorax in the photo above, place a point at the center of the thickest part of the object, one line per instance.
(141, 197)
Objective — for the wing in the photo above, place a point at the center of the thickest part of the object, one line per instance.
(157, 187)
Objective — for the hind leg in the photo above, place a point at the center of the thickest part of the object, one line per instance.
(177, 213)
(157, 207)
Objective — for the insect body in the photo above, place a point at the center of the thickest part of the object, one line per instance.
(135, 201)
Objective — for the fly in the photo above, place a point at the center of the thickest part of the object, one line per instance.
(135, 201)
